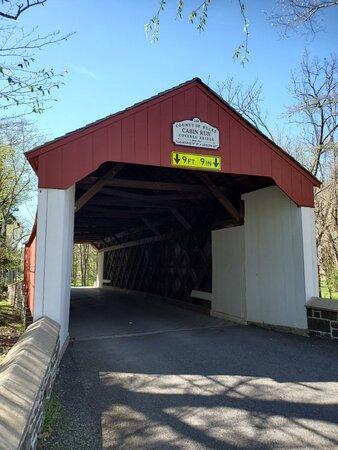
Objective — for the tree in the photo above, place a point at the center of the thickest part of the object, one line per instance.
(84, 265)
(16, 187)
(298, 14)
(198, 16)
(24, 86)
(288, 14)
(327, 232)
(315, 111)
(12, 9)
(247, 101)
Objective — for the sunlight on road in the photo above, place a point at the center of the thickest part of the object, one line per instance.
(195, 411)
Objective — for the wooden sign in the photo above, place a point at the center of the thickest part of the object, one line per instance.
(193, 161)
(194, 133)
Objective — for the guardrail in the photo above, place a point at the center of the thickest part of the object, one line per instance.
(26, 378)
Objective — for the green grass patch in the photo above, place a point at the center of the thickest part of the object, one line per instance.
(51, 414)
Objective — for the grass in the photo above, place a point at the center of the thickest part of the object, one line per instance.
(11, 327)
(51, 414)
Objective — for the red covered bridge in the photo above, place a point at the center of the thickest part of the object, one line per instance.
(178, 193)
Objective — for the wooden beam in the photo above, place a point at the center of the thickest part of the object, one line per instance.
(97, 186)
(180, 218)
(143, 241)
(109, 201)
(156, 198)
(136, 230)
(101, 212)
(151, 226)
(156, 185)
(220, 197)
(126, 233)
(91, 237)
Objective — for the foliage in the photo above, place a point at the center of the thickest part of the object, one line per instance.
(84, 265)
(315, 113)
(286, 14)
(198, 16)
(16, 176)
(332, 281)
(24, 86)
(327, 234)
(331, 293)
(9, 260)
(16, 188)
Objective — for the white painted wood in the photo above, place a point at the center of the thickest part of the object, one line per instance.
(55, 230)
(100, 264)
(275, 250)
(228, 273)
(310, 253)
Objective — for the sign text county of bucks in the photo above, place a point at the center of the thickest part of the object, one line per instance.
(194, 133)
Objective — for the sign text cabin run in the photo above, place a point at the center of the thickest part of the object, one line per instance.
(194, 133)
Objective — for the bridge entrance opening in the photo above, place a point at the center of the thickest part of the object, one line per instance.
(184, 199)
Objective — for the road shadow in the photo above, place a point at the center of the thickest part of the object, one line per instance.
(232, 387)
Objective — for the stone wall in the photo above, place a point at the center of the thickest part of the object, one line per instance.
(322, 318)
(26, 378)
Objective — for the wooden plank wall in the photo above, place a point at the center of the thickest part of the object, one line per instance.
(170, 268)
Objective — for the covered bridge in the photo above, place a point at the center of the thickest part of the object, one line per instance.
(183, 198)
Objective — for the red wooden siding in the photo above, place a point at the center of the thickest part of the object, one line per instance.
(143, 135)
(29, 270)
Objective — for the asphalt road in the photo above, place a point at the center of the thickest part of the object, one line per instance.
(145, 375)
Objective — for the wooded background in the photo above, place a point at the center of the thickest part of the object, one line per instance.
(26, 89)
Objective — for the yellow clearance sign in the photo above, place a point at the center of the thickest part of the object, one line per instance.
(193, 161)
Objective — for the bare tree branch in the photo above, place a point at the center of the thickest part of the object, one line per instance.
(295, 14)
(315, 89)
(18, 7)
(247, 101)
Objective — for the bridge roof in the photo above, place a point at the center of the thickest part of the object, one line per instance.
(142, 134)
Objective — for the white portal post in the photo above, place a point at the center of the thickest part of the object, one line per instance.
(54, 251)
(280, 259)
(310, 253)
(228, 274)
(99, 276)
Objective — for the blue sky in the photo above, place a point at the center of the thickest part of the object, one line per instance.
(112, 65)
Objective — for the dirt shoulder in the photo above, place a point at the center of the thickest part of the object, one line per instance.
(11, 327)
